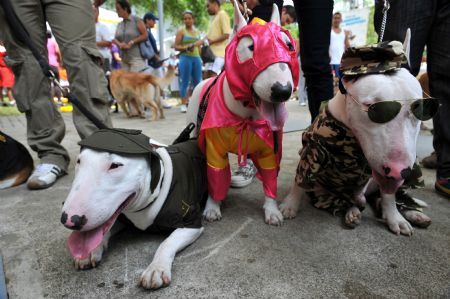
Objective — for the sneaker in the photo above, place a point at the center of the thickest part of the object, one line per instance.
(44, 176)
(442, 186)
(244, 175)
(430, 161)
(183, 108)
(165, 105)
(302, 103)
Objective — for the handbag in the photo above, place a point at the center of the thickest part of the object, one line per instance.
(207, 54)
(146, 50)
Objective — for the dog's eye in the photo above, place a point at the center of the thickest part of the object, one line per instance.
(115, 165)
(251, 47)
(78, 161)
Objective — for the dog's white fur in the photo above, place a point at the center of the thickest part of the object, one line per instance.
(98, 191)
(262, 86)
(392, 144)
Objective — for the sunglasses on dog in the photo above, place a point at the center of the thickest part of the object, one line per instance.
(383, 112)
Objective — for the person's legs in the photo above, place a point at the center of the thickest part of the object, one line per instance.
(419, 19)
(315, 28)
(196, 71)
(185, 70)
(73, 26)
(45, 126)
(438, 60)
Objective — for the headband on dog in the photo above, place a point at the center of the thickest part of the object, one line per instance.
(380, 58)
(125, 142)
(268, 48)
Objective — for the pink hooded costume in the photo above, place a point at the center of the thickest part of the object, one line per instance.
(223, 131)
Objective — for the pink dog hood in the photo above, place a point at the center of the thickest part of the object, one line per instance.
(269, 48)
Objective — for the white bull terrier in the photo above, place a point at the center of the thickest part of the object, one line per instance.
(163, 193)
(242, 110)
(354, 146)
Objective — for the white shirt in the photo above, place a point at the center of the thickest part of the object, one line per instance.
(337, 46)
(102, 34)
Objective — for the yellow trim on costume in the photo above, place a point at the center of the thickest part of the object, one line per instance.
(259, 21)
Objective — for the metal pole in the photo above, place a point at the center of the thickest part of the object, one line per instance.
(161, 29)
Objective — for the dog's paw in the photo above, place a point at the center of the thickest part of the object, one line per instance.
(156, 276)
(288, 211)
(397, 224)
(352, 217)
(417, 218)
(212, 211)
(273, 215)
(91, 262)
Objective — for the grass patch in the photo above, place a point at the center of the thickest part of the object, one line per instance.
(9, 111)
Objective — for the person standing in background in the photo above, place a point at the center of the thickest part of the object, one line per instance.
(103, 41)
(187, 41)
(129, 34)
(6, 78)
(339, 42)
(154, 65)
(55, 60)
(288, 15)
(218, 32)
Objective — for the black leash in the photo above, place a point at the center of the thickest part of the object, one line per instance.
(21, 34)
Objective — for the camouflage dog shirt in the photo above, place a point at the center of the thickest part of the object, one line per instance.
(332, 166)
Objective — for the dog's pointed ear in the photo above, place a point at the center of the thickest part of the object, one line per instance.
(275, 18)
(406, 45)
(239, 20)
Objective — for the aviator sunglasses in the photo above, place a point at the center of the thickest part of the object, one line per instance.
(383, 112)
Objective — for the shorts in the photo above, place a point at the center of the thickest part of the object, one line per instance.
(6, 77)
(215, 66)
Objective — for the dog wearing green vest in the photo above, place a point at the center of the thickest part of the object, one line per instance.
(123, 178)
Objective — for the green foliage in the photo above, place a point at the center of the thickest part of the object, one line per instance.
(173, 10)
(293, 30)
(372, 36)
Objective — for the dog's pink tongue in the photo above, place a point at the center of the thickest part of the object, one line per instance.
(81, 244)
(275, 114)
(388, 186)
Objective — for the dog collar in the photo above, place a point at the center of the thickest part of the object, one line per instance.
(126, 142)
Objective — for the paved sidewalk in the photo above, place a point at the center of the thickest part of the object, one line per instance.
(311, 256)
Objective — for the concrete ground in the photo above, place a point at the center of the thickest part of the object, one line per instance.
(311, 256)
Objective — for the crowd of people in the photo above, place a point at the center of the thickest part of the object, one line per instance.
(89, 51)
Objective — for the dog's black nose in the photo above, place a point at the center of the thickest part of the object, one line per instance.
(281, 93)
(76, 222)
(406, 173)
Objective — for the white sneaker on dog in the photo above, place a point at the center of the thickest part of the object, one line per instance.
(244, 175)
(44, 176)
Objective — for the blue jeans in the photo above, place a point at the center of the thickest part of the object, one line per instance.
(335, 68)
(190, 68)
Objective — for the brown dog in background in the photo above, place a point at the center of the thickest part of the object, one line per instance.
(139, 89)
(16, 163)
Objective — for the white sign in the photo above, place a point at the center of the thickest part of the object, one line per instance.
(356, 21)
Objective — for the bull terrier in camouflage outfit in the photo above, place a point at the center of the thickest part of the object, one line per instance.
(364, 139)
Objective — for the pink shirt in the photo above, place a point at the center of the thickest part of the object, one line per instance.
(52, 47)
